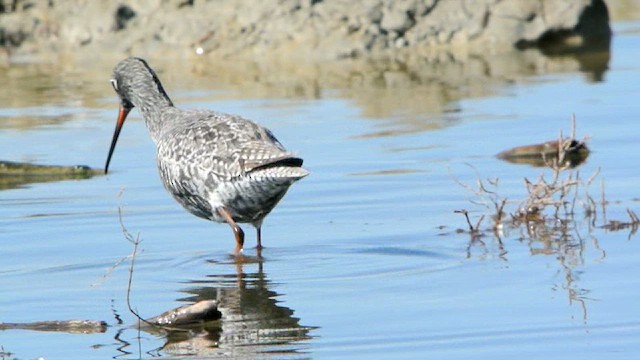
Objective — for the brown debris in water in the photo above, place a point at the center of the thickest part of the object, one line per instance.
(576, 152)
(566, 151)
(187, 315)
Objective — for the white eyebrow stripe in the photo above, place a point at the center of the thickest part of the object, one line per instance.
(114, 82)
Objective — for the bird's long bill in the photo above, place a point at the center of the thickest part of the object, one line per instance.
(122, 115)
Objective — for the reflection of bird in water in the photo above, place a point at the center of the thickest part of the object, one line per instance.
(253, 322)
(218, 166)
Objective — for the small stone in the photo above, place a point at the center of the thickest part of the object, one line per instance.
(396, 20)
(123, 14)
(401, 42)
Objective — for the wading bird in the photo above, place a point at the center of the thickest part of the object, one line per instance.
(219, 167)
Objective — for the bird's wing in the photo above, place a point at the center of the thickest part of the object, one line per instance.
(225, 145)
(266, 150)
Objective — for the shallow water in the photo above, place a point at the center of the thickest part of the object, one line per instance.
(365, 257)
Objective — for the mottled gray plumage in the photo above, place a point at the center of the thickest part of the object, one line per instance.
(218, 166)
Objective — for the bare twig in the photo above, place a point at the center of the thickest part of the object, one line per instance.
(633, 224)
(466, 216)
(593, 176)
(4, 353)
(488, 198)
(603, 202)
(109, 272)
(633, 216)
(135, 241)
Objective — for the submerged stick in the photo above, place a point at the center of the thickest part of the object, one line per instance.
(178, 319)
(67, 326)
(12, 168)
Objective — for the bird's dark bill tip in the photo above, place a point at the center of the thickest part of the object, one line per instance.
(122, 116)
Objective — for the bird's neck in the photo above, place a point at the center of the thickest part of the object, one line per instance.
(153, 106)
(155, 119)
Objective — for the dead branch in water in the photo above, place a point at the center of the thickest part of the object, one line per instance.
(109, 272)
(135, 241)
(182, 318)
(472, 229)
(633, 224)
(546, 217)
(568, 152)
(551, 199)
(4, 353)
(486, 197)
(553, 193)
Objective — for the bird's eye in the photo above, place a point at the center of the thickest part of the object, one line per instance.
(114, 83)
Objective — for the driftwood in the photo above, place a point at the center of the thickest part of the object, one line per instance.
(181, 317)
(564, 152)
(68, 326)
(188, 315)
(11, 168)
(15, 174)
(575, 153)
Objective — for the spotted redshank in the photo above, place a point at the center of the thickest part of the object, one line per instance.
(218, 166)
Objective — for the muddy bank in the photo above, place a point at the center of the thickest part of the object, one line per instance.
(260, 49)
(297, 29)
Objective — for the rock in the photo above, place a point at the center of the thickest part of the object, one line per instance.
(124, 13)
(396, 19)
(575, 29)
(303, 29)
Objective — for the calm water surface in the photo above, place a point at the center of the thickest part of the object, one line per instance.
(363, 258)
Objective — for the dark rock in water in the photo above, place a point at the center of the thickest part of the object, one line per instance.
(17, 174)
(575, 153)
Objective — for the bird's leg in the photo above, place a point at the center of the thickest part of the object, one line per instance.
(237, 231)
(259, 238)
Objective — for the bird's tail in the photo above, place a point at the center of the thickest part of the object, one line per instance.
(289, 167)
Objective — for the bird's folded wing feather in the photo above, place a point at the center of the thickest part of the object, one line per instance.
(226, 145)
